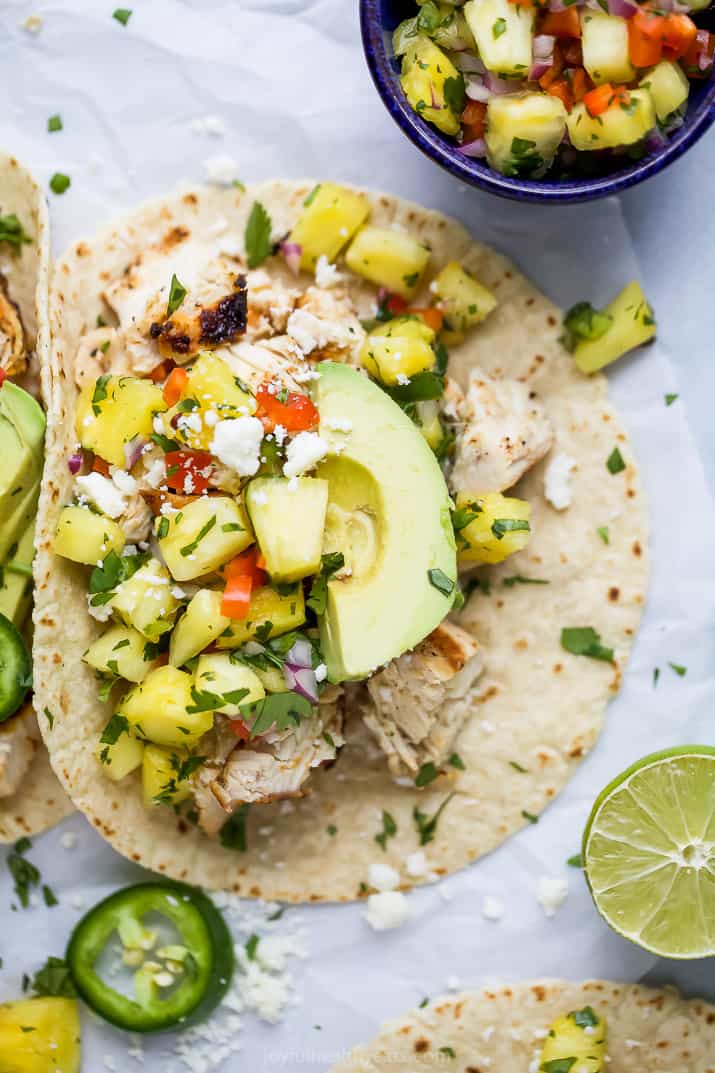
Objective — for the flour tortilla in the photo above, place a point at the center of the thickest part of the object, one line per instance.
(501, 1029)
(39, 803)
(536, 704)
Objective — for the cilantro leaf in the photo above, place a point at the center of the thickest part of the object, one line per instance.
(177, 293)
(258, 236)
(122, 14)
(427, 825)
(439, 580)
(59, 183)
(455, 93)
(280, 710)
(12, 231)
(389, 830)
(54, 980)
(615, 463)
(329, 565)
(585, 641)
(427, 774)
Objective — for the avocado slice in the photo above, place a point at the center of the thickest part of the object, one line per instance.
(16, 472)
(16, 587)
(23, 414)
(389, 514)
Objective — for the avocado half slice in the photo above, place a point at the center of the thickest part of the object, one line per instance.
(21, 413)
(389, 514)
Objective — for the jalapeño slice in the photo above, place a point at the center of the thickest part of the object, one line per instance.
(15, 669)
(204, 950)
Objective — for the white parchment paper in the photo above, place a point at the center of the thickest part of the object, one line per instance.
(288, 81)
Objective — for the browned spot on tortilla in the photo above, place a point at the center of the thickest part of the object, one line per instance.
(530, 301)
(631, 493)
(190, 199)
(56, 657)
(488, 693)
(551, 320)
(404, 1031)
(558, 667)
(421, 1045)
(629, 631)
(637, 549)
(82, 249)
(576, 752)
(522, 643)
(539, 992)
(500, 603)
(613, 593)
(606, 417)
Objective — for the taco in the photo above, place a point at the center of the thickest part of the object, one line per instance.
(300, 666)
(549, 1026)
(30, 796)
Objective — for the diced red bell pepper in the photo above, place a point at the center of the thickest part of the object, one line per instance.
(188, 471)
(3, 377)
(240, 729)
(555, 70)
(432, 317)
(236, 598)
(561, 88)
(295, 412)
(600, 99)
(572, 53)
(175, 386)
(100, 466)
(249, 563)
(396, 304)
(678, 35)
(474, 120)
(702, 47)
(564, 23)
(645, 38)
(580, 83)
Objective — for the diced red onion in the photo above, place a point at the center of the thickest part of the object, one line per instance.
(133, 451)
(539, 68)
(302, 680)
(543, 46)
(74, 462)
(655, 141)
(500, 85)
(702, 40)
(292, 253)
(477, 148)
(624, 8)
(476, 90)
(560, 5)
(301, 654)
(470, 64)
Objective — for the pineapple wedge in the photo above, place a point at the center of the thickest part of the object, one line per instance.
(523, 133)
(161, 784)
(40, 1035)
(503, 32)
(121, 758)
(604, 39)
(618, 126)
(491, 527)
(400, 348)
(432, 84)
(120, 651)
(146, 602)
(668, 86)
(213, 386)
(204, 535)
(162, 709)
(332, 214)
(195, 630)
(389, 259)
(217, 673)
(86, 537)
(289, 517)
(267, 607)
(579, 1038)
(114, 410)
(632, 324)
(463, 300)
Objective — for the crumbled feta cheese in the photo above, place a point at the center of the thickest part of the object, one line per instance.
(221, 169)
(386, 910)
(551, 894)
(321, 672)
(326, 275)
(211, 125)
(103, 493)
(492, 908)
(237, 443)
(32, 24)
(156, 472)
(210, 418)
(416, 864)
(68, 840)
(557, 481)
(303, 452)
(123, 480)
(402, 380)
(383, 877)
(306, 329)
(280, 432)
(101, 613)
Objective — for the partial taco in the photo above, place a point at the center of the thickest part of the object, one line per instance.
(549, 1026)
(341, 556)
(30, 796)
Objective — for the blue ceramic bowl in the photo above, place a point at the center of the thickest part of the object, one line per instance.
(379, 18)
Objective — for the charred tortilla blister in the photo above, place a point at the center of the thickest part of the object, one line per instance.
(210, 326)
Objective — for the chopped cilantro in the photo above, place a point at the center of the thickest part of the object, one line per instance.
(190, 548)
(122, 14)
(233, 833)
(615, 463)
(427, 825)
(54, 123)
(427, 774)
(258, 236)
(54, 980)
(331, 829)
(177, 293)
(12, 231)
(498, 28)
(558, 1065)
(529, 816)
(518, 767)
(251, 946)
(448, 1051)
(329, 565)
(439, 580)
(679, 669)
(656, 676)
(117, 725)
(456, 761)
(23, 872)
(389, 830)
(584, 1018)
(50, 897)
(280, 710)
(312, 195)
(455, 93)
(517, 579)
(670, 399)
(59, 183)
(604, 534)
(576, 861)
(501, 526)
(585, 641)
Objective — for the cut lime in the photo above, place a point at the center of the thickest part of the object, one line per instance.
(649, 853)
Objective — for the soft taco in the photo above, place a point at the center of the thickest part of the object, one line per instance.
(309, 655)
(30, 796)
(549, 1026)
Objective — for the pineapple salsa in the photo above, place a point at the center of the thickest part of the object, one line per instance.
(272, 492)
(553, 86)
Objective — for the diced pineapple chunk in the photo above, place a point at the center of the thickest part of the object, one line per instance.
(146, 601)
(86, 537)
(503, 32)
(622, 124)
(523, 133)
(120, 651)
(40, 1035)
(331, 216)
(235, 683)
(213, 386)
(113, 410)
(604, 40)
(204, 535)
(389, 259)
(632, 324)
(579, 1038)
(122, 757)
(668, 86)
(157, 709)
(500, 528)
(198, 627)
(400, 347)
(426, 71)
(463, 300)
(289, 517)
(429, 423)
(282, 612)
(161, 784)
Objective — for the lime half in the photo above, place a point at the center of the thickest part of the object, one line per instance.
(649, 853)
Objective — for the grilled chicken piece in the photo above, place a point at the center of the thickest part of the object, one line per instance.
(277, 359)
(270, 768)
(208, 317)
(96, 355)
(504, 432)
(19, 737)
(136, 521)
(417, 705)
(325, 327)
(13, 355)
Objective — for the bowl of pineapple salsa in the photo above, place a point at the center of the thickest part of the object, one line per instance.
(545, 100)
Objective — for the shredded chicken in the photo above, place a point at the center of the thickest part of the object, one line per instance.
(209, 317)
(276, 359)
(13, 356)
(136, 521)
(503, 432)
(19, 737)
(270, 768)
(325, 327)
(269, 305)
(97, 354)
(416, 706)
